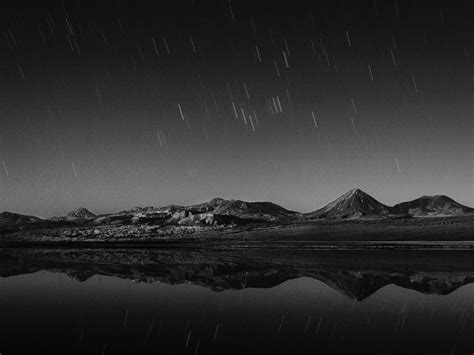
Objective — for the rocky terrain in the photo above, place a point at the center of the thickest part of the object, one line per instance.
(354, 215)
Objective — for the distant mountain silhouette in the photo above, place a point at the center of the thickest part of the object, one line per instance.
(242, 209)
(431, 206)
(353, 204)
(216, 211)
(81, 212)
(10, 218)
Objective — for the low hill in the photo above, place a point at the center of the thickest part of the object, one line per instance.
(10, 218)
(438, 205)
(247, 210)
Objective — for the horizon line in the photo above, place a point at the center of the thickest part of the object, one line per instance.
(232, 199)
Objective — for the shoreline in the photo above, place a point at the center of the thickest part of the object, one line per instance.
(442, 233)
(236, 245)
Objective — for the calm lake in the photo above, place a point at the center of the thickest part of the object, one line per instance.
(99, 301)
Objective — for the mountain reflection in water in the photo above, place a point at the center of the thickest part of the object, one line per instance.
(236, 301)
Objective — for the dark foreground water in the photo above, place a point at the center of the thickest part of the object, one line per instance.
(195, 302)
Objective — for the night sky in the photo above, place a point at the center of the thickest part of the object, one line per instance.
(112, 105)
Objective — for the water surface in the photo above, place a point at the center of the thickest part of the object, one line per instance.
(215, 302)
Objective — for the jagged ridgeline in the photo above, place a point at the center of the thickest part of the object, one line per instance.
(354, 204)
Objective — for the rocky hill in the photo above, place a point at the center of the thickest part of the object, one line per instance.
(437, 205)
(10, 218)
(267, 211)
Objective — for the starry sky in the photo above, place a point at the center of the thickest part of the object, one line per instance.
(116, 104)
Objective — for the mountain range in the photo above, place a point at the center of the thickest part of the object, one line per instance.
(354, 204)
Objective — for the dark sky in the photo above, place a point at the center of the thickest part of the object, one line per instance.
(117, 104)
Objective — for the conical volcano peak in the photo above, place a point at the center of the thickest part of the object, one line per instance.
(356, 192)
(353, 204)
(81, 213)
